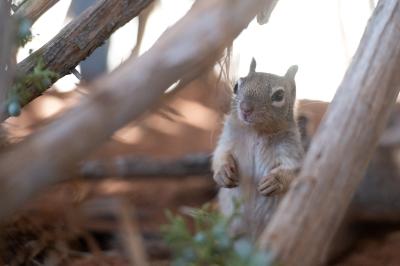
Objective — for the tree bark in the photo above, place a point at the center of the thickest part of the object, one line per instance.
(191, 45)
(78, 40)
(33, 9)
(309, 215)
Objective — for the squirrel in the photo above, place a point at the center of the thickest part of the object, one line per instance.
(259, 150)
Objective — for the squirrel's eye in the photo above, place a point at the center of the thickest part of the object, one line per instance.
(235, 88)
(277, 96)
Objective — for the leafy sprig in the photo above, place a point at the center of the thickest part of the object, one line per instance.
(211, 243)
(40, 77)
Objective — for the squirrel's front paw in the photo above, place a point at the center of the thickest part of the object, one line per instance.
(227, 175)
(273, 184)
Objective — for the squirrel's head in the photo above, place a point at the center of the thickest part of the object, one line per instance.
(265, 100)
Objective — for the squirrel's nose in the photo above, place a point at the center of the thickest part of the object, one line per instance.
(246, 108)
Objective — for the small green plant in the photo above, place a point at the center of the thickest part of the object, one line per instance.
(40, 77)
(210, 244)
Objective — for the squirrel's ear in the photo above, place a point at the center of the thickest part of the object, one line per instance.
(291, 72)
(253, 66)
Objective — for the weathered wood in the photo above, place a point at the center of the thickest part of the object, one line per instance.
(191, 45)
(33, 9)
(78, 40)
(309, 215)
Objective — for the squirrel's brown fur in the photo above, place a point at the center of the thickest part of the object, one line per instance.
(259, 149)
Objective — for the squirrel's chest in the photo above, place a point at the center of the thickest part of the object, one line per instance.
(254, 156)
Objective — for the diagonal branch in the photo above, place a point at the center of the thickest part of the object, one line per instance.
(78, 40)
(191, 45)
(309, 215)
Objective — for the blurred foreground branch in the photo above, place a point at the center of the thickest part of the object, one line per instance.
(194, 43)
(309, 215)
(78, 40)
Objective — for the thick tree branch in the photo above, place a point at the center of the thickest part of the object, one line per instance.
(191, 45)
(78, 40)
(33, 9)
(309, 215)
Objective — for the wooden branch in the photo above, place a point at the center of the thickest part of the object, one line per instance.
(309, 215)
(33, 9)
(135, 166)
(78, 40)
(191, 45)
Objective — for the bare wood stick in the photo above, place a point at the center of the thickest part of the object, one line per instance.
(33, 9)
(305, 222)
(78, 40)
(191, 45)
(135, 166)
